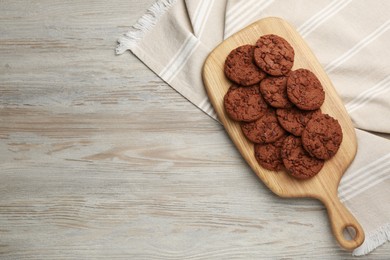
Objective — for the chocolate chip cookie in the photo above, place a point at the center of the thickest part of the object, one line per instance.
(274, 55)
(274, 91)
(244, 103)
(266, 129)
(322, 137)
(299, 163)
(305, 90)
(240, 67)
(294, 120)
(269, 155)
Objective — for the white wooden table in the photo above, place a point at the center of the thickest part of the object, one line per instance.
(100, 159)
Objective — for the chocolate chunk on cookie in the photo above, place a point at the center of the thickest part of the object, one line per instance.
(244, 103)
(274, 91)
(266, 129)
(299, 163)
(269, 155)
(305, 90)
(322, 136)
(295, 120)
(240, 67)
(274, 55)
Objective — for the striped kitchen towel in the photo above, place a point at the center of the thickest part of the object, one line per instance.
(350, 38)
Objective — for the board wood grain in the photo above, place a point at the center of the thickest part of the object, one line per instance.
(323, 186)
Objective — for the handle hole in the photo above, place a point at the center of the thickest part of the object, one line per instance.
(349, 233)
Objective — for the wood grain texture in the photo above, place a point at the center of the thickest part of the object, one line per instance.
(324, 185)
(100, 159)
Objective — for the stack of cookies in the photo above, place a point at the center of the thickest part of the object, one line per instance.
(279, 109)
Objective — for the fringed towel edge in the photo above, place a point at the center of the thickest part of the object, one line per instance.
(143, 25)
(373, 240)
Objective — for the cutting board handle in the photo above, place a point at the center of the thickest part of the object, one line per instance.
(340, 218)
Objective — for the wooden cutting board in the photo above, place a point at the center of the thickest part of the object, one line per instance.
(324, 185)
